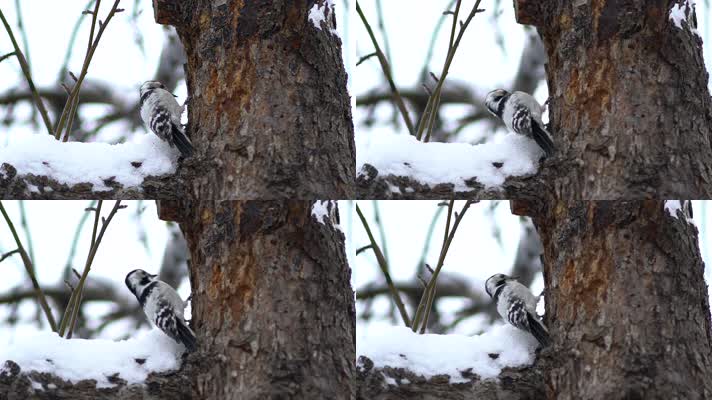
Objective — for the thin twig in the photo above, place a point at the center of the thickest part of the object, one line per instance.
(384, 268)
(96, 241)
(426, 293)
(428, 239)
(29, 268)
(446, 247)
(8, 254)
(379, 224)
(72, 39)
(28, 234)
(75, 240)
(431, 45)
(434, 100)
(70, 107)
(387, 72)
(360, 60)
(26, 48)
(8, 55)
(363, 248)
(429, 293)
(26, 71)
(386, 47)
(72, 299)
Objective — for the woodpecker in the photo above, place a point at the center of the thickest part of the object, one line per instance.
(521, 113)
(162, 306)
(517, 305)
(161, 113)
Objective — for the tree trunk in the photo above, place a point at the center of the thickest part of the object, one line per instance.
(272, 308)
(626, 302)
(269, 111)
(629, 106)
(271, 296)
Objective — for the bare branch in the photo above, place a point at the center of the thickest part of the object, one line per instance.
(8, 254)
(26, 71)
(30, 270)
(384, 268)
(387, 73)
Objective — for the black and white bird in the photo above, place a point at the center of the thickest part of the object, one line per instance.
(521, 113)
(162, 306)
(517, 305)
(161, 113)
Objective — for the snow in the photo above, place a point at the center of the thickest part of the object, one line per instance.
(318, 14)
(672, 206)
(434, 163)
(75, 162)
(679, 13)
(325, 212)
(429, 355)
(36, 385)
(79, 359)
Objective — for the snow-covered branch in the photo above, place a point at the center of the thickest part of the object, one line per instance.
(146, 367)
(374, 184)
(14, 186)
(398, 363)
(399, 383)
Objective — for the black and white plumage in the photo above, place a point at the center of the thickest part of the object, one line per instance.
(517, 305)
(161, 113)
(162, 306)
(521, 113)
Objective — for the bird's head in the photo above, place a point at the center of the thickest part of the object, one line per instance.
(150, 85)
(138, 279)
(495, 281)
(493, 100)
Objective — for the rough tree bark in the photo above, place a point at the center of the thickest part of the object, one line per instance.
(629, 104)
(269, 113)
(272, 308)
(626, 303)
(269, 107)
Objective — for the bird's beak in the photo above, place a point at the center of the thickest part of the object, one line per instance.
(153, 276)
(516, 278)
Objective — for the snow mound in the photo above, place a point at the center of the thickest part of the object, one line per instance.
(78, 359)
(429, 355)
(673, 206)
(319, 13)
(74, 162)
(434, 163)
(678, 13)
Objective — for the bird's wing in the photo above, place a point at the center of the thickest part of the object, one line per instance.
(522, 121)
(517, 314)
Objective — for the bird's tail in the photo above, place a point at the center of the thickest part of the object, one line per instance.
(538, 330)
(542, 138)
(186, 336)
(181, 141)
